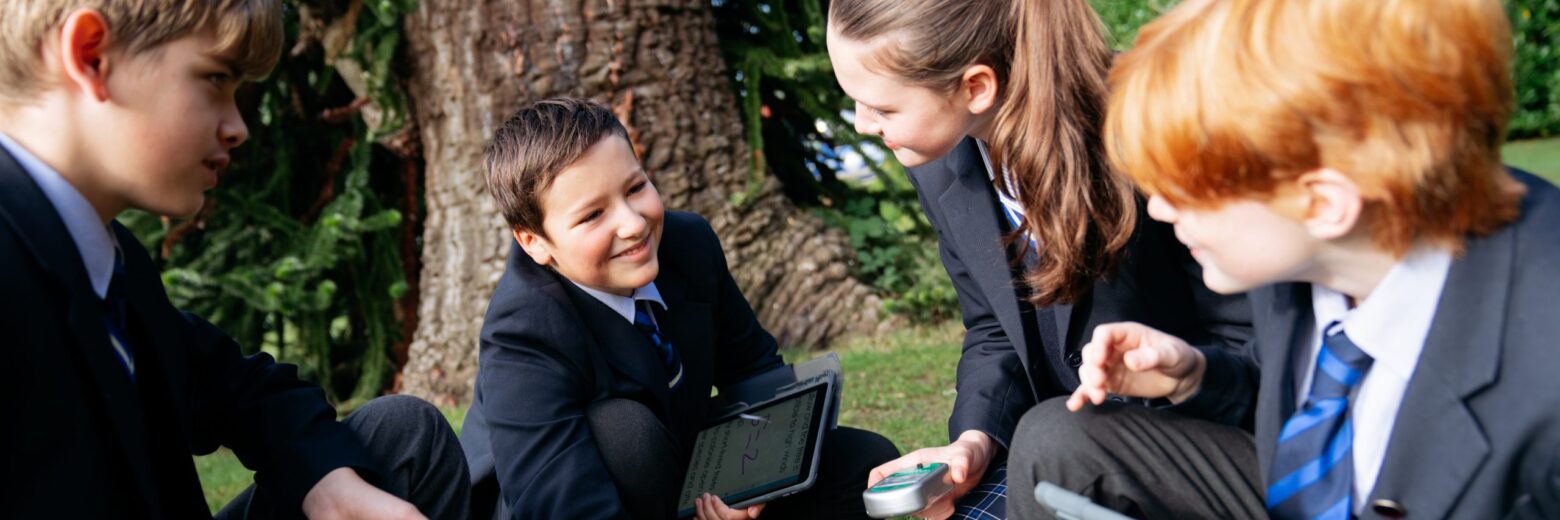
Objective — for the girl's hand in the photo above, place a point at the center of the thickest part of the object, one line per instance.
(967, 459)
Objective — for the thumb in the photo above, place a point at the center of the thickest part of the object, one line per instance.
(754, 511)
(958, 468)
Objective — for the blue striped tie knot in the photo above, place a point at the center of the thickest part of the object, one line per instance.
(1313, 469)
(645, 322)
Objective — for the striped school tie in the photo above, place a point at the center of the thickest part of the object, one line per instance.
(1313, 469)
(114, 315)
(645, 322)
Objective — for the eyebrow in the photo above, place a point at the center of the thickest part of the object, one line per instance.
(226, 61)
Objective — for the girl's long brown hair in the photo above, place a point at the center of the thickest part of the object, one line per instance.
(1051, 61)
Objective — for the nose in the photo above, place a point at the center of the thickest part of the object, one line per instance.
(865, 124)
(1161, 210)
(630, 224)
(232, 131)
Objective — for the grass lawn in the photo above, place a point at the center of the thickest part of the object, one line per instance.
(900, 385)
(1540, 156)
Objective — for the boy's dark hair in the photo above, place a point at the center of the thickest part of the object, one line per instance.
(536, 143)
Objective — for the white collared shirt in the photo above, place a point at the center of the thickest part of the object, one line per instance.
(1391, 326)
(624, 305)
(1010, 205)
(93, 240)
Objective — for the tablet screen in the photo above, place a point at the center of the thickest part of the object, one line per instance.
(759, 451)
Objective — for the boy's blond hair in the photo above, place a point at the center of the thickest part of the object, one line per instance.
(1224, 99)
(248, 33)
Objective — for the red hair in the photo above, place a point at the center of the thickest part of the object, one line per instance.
(1223, 99)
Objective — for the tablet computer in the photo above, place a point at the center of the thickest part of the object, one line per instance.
(761, 452)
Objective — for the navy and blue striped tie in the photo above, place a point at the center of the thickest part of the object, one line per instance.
(1313, 470)
(645, 322)
(114, 315)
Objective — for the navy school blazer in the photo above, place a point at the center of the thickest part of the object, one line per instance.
(549, 350)
(1005, 369)
(82, 439)
(1475, 436)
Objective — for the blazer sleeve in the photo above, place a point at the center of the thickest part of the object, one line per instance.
(534, 400)
(278, 425)
(991, 383)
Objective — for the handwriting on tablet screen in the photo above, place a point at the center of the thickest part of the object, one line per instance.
(759, 450)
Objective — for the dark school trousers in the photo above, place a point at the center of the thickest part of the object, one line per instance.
(638, 449)
(412, 442)
(1143, 462)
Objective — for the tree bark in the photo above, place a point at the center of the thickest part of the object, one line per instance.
(658, 64)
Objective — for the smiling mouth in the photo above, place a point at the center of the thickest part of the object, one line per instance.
(641, 246)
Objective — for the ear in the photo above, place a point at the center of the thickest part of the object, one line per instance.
(979, 88)
(534, 246)
(82, 51)
(1333, 204)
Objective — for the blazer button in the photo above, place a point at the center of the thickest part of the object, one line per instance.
(1074, 359)
(1388, 508)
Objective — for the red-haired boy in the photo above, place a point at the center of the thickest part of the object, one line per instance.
(1341, 160)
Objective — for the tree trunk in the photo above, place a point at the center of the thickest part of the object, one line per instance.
(657, 62)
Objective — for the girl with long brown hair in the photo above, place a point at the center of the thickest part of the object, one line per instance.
(995, 106)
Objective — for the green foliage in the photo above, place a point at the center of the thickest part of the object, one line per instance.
(298, 252)
(797, 123)
(1536, 25)
(1123, 17)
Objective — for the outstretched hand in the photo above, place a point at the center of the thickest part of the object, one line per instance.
(1136, 360)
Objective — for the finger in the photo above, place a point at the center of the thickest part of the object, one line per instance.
(884, 470)
(1097, 395)
(1075, 401)
(1143, 359)
(754, 511)
(940, 509)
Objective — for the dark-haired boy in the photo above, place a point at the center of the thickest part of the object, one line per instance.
(603, 340)
(107, 105)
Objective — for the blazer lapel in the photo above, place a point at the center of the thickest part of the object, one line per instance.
(1437, 444)
(1282, 313)
(972, 213)
(687, 325)
(148, 304)
(624, 347)
(37, 222)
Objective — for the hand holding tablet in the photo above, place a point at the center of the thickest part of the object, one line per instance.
(761, 452)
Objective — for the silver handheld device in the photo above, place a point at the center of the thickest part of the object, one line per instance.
(1072, 506)
(907, 491)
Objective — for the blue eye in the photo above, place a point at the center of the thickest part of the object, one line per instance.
(219, 80)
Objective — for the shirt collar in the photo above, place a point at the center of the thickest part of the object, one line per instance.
(93, 241)
(624, 305)
(1391, 325)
